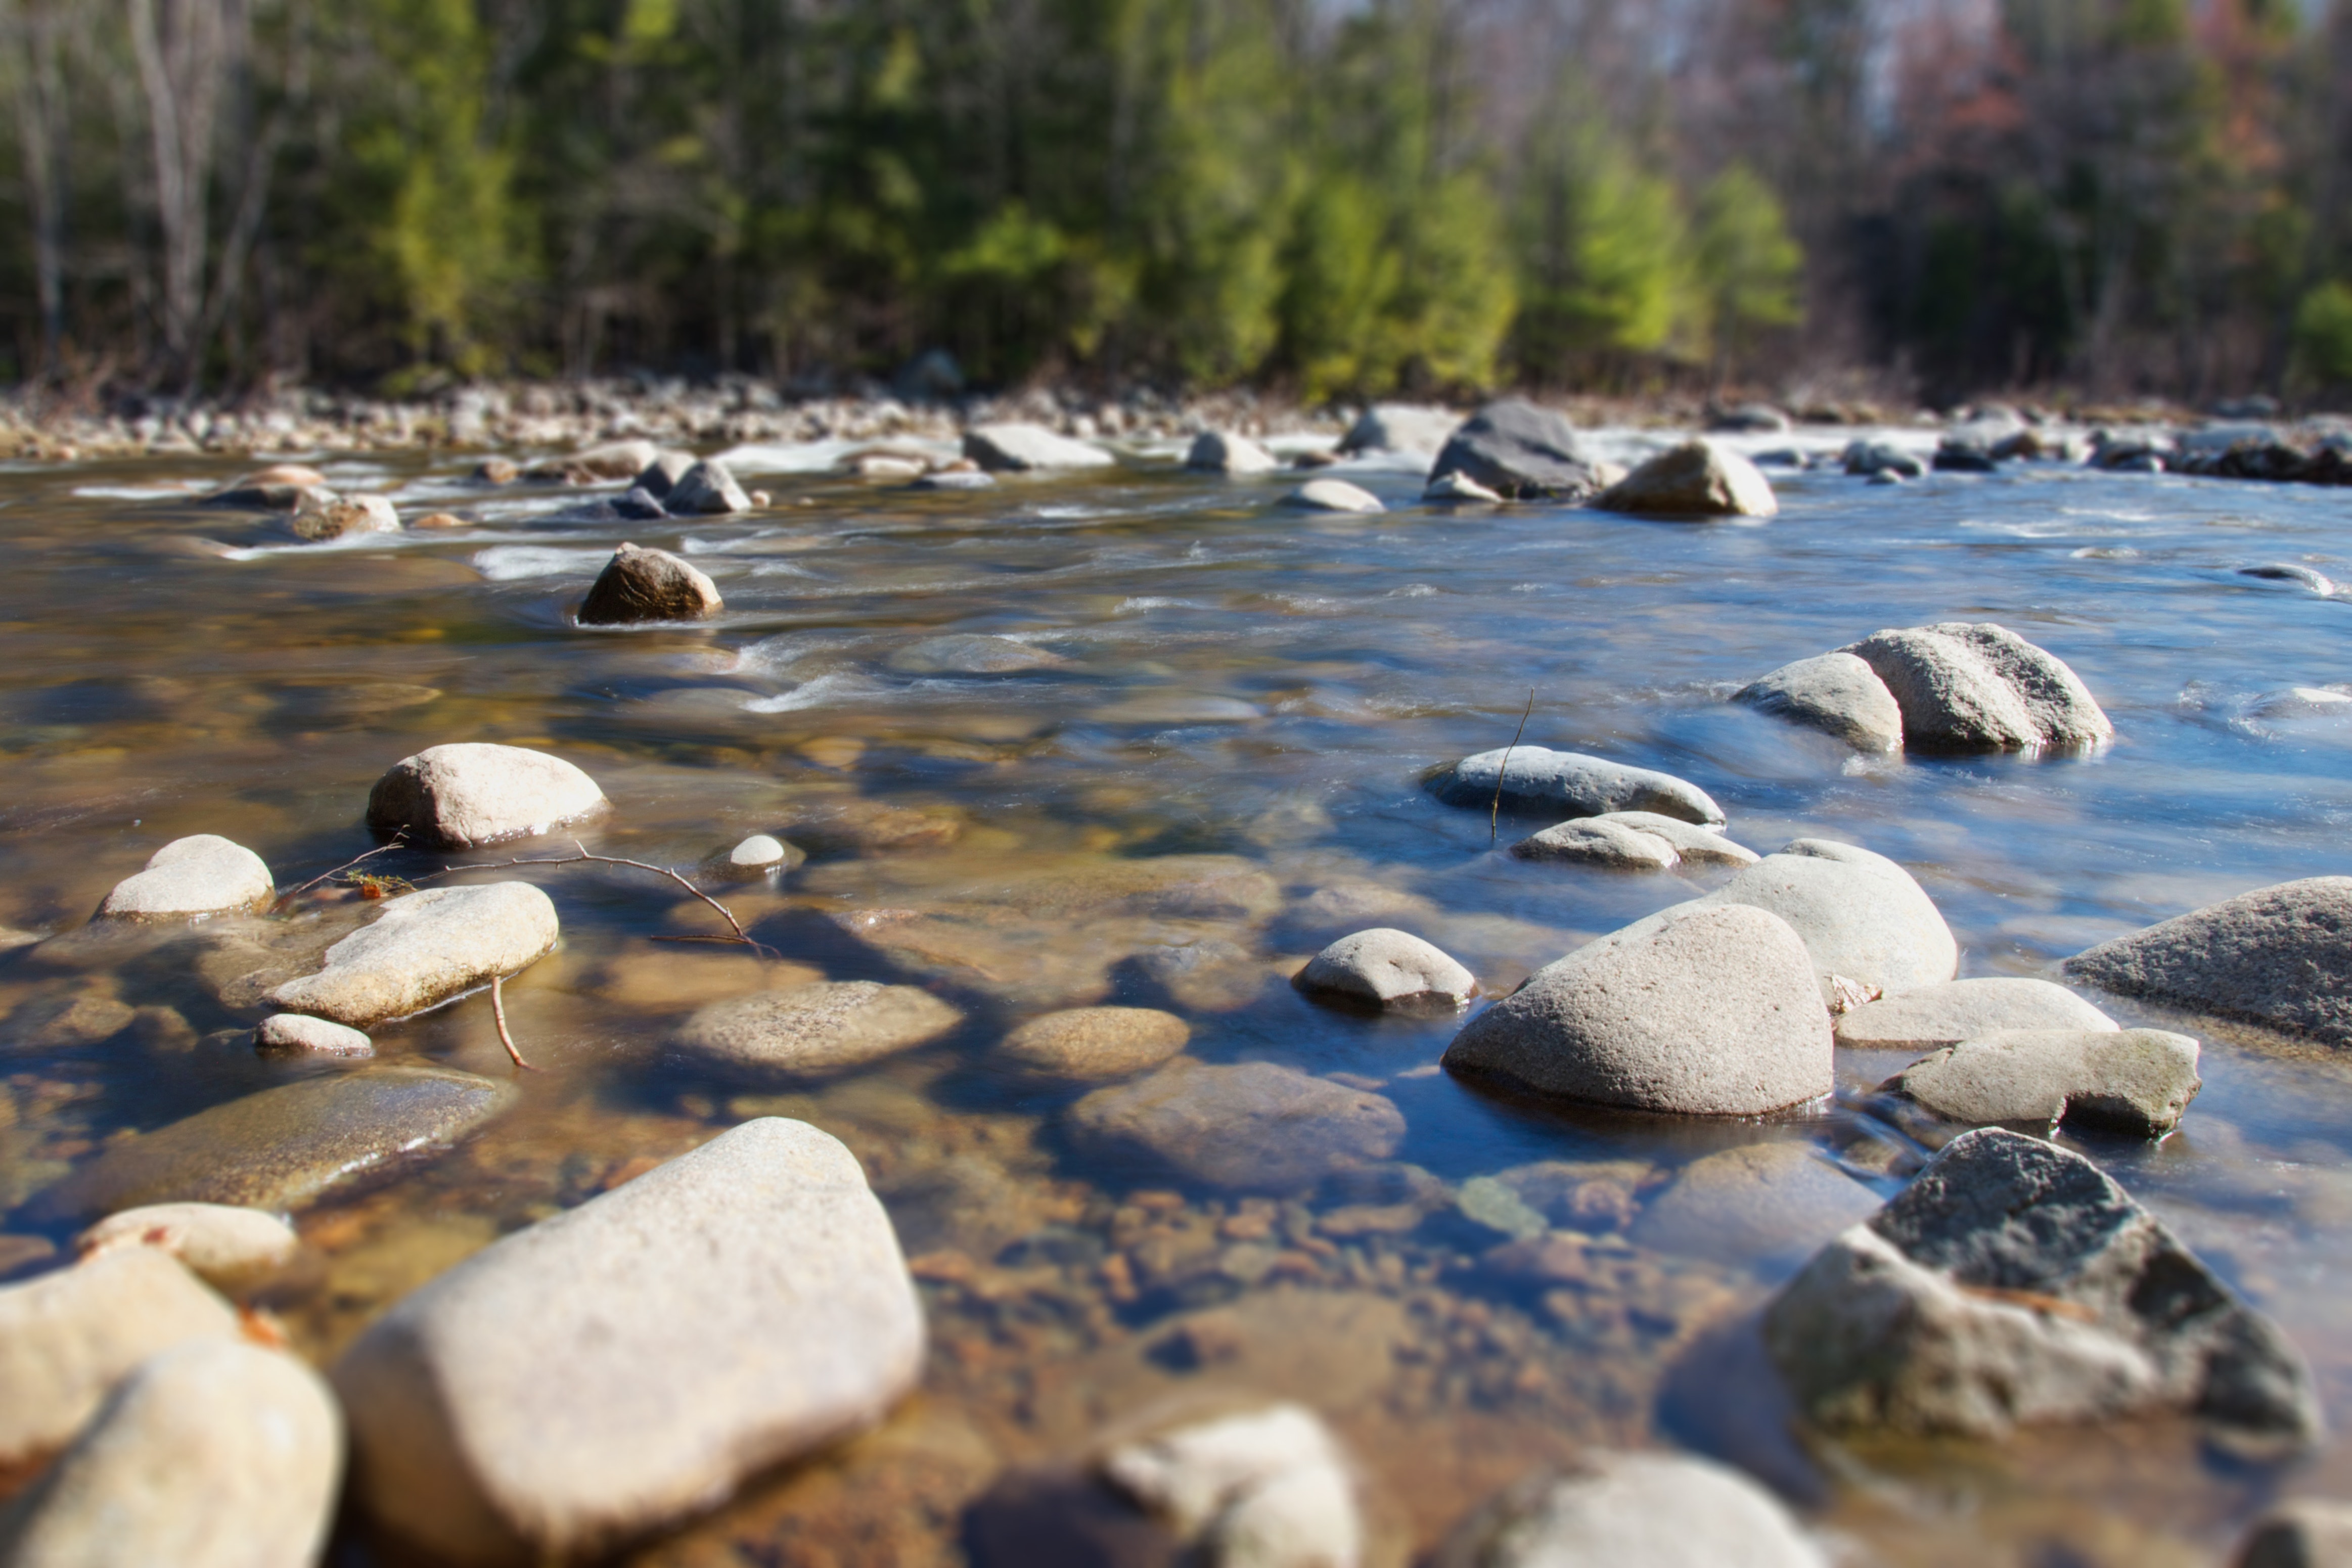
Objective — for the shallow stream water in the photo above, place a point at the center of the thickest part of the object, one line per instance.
(1226, 679)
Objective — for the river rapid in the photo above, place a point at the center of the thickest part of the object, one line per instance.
(1220, 677)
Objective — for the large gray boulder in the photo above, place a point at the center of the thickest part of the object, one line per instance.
(1537, 778)
(1981, 687)
(213, 1454)
(816, 1030)
(1963, 1010)
(1227, 452)
(1696, 479)
(2012, 1284)
(1384, 967)
(2277, 957)
(424, 949)
(1837, 693)
(2136, 1081)
(1018, 448)
(1521, 452)
(189, 878)
(1696, 1010)
(707, 488)
(639, 585)
(69, 1338)
(1252, 1126)
(285, 1146)
(463, 796)
(626, 1364)
(1400, 427)
(1862, 916)
(1632, 1511)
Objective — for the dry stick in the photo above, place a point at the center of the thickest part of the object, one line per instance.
(285, 898)
(1495, 817)
(724, 913)
(499, 1011)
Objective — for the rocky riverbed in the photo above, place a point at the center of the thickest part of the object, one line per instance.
(679, 985)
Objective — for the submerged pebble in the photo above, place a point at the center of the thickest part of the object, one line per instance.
(811, 1030)
(1087, 1043)
(1255, 1125)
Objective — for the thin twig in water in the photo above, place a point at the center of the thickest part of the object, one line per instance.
(1494, 816)
(724, 913)
(499, 1011)
(397, 840)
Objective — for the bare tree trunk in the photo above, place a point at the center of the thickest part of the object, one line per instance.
(186, 50)
(40, 126)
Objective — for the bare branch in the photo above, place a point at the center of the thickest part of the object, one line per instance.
(1494, 816)
(499, 1011)
(583, 856)
(285, 898)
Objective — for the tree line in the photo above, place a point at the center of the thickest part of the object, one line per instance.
(1334, 197)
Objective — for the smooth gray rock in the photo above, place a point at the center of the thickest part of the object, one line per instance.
(292, 1034)
(660, 477)
(284, 1147)
(213, 1454)
(1252, 1126)
(755, 859)
(1388, 968)
(69, 1338)
(322, 515)
(2278, 956)
(232, 1249)
(739, 1306)
(1696, 479)
(1601, 840)
(474, 793)
(1872, 458)
(1861, 915)
(1400, 427)
(1520, 451)
(829, 1027)
(1962, 1009)
(640, 585)
(424, 949)
(2136, 1081)
(1632, 1511)
(1838, 693)
(1259, 1489)
(1951, 697)
(1333, 495)
(707, 490)
(2013, 1284)
(1226, 452)
(1696, 844)
(1017, 448)
(1537, 778)
(1092, 1043)
(189, 878)
(2303, 1532)
(2064, 712)
(1696, 1010)
(970, 654)
(1770, 1203)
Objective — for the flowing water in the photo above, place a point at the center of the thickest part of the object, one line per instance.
(1258, 692)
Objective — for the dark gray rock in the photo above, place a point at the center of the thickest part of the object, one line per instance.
(640, 585)
(1955, 455)
(1870, 459)
(1535, 776)
(2278, 956)
(1696, 1010)
(2013, 1284)
(1837, 693)
(705, 488)
(1228, 451)
(1252, 1126)
(286, 1146)
(660, 477)
(2306, 1532)
(1520, 451)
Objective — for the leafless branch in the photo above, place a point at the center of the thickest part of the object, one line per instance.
(285, 898)
(724, 913)
(1494, 816)
(499, 1011)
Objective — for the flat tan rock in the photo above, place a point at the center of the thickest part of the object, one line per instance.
(808, 1031)
(1091, 1043)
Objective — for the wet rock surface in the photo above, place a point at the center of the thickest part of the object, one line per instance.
(1087, 1043)
(706, 489)
(1956, 1010)
(1384, 967)
(232, 1249)
(1017, 448)
(424, 949)
(1521, 452)
(189, 878)
(2135, 1082)
(1256, 1125)
(1860, 914)
(2307, 1533)
(1837, 693)
(292, 1034)
(1697, 1011)
(2013, 1284)
(284, 1147)
(1981, 687)
(1227, 452)
(1772, 1201)
(1602, 840)
(739, 1306)
(1537, 778)
(1695, 479)
(2276, 957)
(460, 796)
(811, 1030)
(1333, 495)
(641, 585)
(1637, 1510)
(69, 1338)
(213, 1454)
